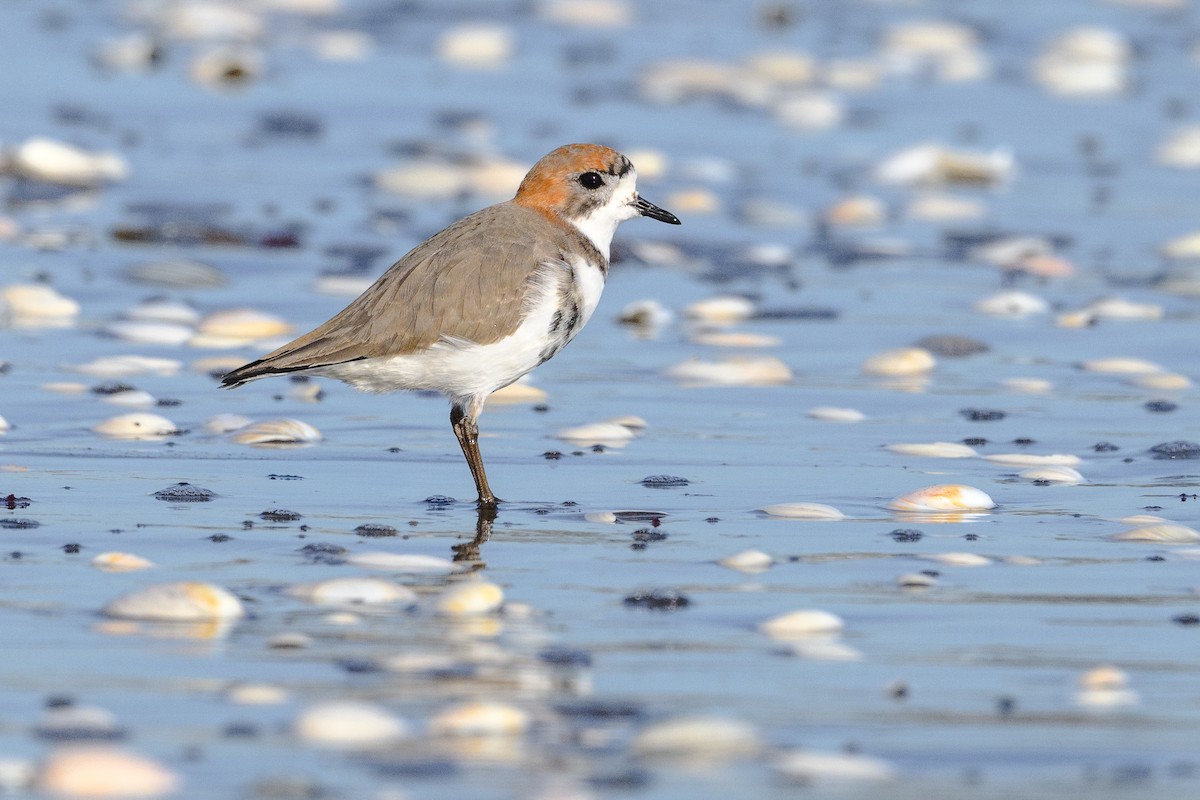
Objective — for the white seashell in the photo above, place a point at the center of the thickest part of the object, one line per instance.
(1027, 385)
(943, 497)
(1186, 246)
(697, 737)
(4, 426)
(225, 423)
(29, 303)
(630, 421)
(732, 371)
(133, 398)
(342, 285)
(116, 561)
(479, 719)
(226, 67)
(17, 775)
(348, 724)
(852, 74)
(476, 46)
(342, 45)
(783, 67)
(944, 208)
(1121, 366)
(1106, 698)
(694, 201)
(1141, 519)
(1053, 473)
(836, 414)
(424, 180)
(407, 563)
(177, 274)
(354, 591)
(857, 211)
(256, 694)
(1181, 148)
(957, 559)
(720, 310)
(748, 561)
(521, 391)
(587, 13)
(608, 434)
(277, 432)
(470, 599)
(137, 426)
(803, 623)
(342, 618)
(77, 721)
(162, 310)
(496, 178)
(127, 366)
(646, 314)
(95, 771)
(1162, 381)
(933, 450)
(65, 387)
(184, 601)
(202, 19)
(1105, 676)
(1022, 561)
(900, 362)
(823, 648)
(136, 52)
(52, 161)
(1012, 304)
(813, 511)
(735, 339)
(243, 323)
(1119, 308)
(1034, 460)
(810, 111)
(915, 580)
(138, 332)
(929, 164)
(807, 767)
(1161, 532)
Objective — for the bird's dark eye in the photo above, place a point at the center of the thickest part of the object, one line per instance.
(591, 180)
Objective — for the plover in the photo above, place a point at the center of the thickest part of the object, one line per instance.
(483, 302)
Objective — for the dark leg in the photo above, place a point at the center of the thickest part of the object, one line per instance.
(467, 431)
(469, 551)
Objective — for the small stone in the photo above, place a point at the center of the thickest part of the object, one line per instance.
(663, 481)
(185, 493)
(658, 600)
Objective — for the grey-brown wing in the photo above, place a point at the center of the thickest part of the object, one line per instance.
(467, 282)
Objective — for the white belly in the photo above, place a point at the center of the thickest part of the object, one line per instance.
(462, 370)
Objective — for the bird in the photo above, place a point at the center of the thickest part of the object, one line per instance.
(484, 301)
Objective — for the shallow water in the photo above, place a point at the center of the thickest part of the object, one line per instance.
(990, 655)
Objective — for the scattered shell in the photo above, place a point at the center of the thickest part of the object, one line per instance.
(900, 362)
(226, 67)
(1012, 304)
(76, 722)
(944, 208)
(1052, 474)
(138, 426)
(521, 391)
(1105, 676)
(810, 110)
(184, 601)
(645, 314)
(732, 371)
(116, 561)
(277, 432)
(95, 771)
(735, 339)
(407, 563)
(348, 724)
(128, 366)
(1181, 148)
(479, 719)
(342, 45)
(34, 303)
(1121, 366)
(822, 647)
(1161, 533)
(354, 591)
(1034, 460)
(720, 310)
(748, 561)
(256, 694)
(1084, 62)
(697, 737)
(138, 332)
(803, 623)
(933, 450)
(184, 492)
(931, 164)
(475, 46)
(225, 423)
(471, 599)
(915, 580)
(130, 398)
(1162, 381)
(943, 497)
(608, 434)
(1027, 385)
(1117, 308)
(858, 211)
(836, 414)
(52, 161)
(807, 767)
(957, 559)
(163, 310)
(243, 324)
(177, 274)
(813, 511)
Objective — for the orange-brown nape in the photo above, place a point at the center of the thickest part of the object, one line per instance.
(544, 189)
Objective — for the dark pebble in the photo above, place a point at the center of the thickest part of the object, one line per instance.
(658, 600)
(185, 493)
(167, 402)
(18, 523)
(975, 441)
(324, 553)
(814, 313)
(415, 768)
(663, 481)
(375, 530)
(72, 548)
(627, 780)
(982, 414)
(240, 730)
(1023, 441)
(274, 477)
(906, 535)
(219, 538)
(599, 709)
(552, 455)
(1161, 406)
(1179, 449)
(952, 346)
(439, 501)
(112, 387)
(1006, 706)
(1105, 447)
(565, 657)
(648, 535)
(359, 666)
(1186, 619)
(290, 125)
(12, 502)
(279, 515)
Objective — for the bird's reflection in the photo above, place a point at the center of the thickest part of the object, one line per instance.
(469, 551)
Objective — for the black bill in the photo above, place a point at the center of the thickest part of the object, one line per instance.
(648, 209)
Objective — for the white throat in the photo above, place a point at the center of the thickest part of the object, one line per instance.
(601, 224)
